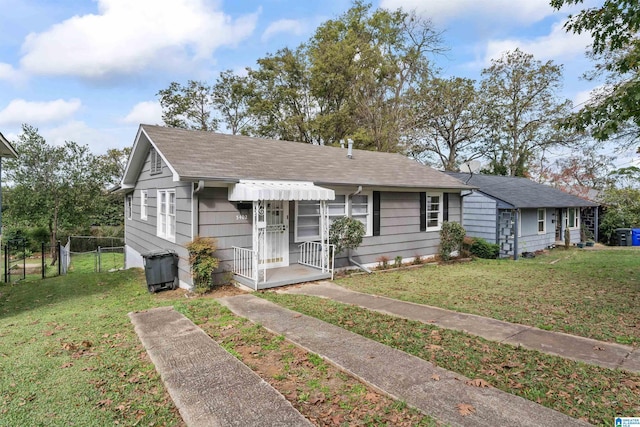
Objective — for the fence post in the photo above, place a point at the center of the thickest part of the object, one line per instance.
(58, 256)
(6, 263)
(43, 261)
(99, 259)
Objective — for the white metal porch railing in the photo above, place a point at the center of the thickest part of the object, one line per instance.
(317, 255)
(245, 263)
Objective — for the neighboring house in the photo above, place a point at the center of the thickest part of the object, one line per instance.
(269, 203)
(521, 215)
(6, 150)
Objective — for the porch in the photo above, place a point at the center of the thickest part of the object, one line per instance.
(282, 276)
(266, 264)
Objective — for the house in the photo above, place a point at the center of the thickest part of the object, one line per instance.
(6, 150)
(523, 216)
(269, 203)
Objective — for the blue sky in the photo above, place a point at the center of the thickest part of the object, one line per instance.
(89, 71)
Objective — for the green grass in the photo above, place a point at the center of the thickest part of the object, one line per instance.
(86, 262)
(577, 389)
(594, 294)
(69, 355)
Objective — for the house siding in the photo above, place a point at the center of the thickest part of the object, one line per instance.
(530, 240)
(222, 220)
(400, 233)
(479, 218)
(141, 235)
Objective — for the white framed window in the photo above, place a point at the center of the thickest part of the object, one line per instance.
(144, 197)
(167, 214)
(573, 218)
(129, 206)
(542, 221)
(434, 211)
(307, 218)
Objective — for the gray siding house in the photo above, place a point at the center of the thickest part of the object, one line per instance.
(269, 204)
(521, 215)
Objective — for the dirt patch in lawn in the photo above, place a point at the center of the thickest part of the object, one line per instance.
(217, 292)
(321, 392)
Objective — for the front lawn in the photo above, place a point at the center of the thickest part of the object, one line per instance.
(594, 294)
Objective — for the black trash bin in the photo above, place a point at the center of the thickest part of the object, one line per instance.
(624, 237)
(161, 270)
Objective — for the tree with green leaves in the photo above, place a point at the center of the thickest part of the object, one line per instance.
(449, 128)
(189, 106)
(523, 110)
(614, 109)
(52, 186)
(282, 106)
(363, 66)
(231, 96)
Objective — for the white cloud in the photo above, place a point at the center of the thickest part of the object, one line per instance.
(128, 36)
(290, 26)
(557, 45)
(148, 112)
(98, 140)
(20, 111)
(445, 11)
(10, 74)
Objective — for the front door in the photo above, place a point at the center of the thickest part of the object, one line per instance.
(276, 239)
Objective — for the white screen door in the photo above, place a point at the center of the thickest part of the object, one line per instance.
(276, 239)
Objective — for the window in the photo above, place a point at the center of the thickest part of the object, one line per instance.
(434, 211)
(129, 206)
(308, 215)
(143, 204)
(167, 214)
(542, 221)
(156, 162)
(573, 218)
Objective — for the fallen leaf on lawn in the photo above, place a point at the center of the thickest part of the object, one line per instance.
(67, 365)
(435, 377)
(465, 409)
(86, 344)
(69, 346)
(48, 333)
(478, 382)
(489, 372)
(105, 402)
(434, 347)
(372, 397)
(631, 384)
(318, 398)
(511, 364)
(598, 348)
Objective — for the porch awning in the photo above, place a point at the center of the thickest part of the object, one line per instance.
(278, 190)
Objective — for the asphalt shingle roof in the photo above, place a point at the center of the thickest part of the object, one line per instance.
(521, 192)
(198, 155)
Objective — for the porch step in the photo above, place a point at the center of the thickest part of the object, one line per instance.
(208, 385)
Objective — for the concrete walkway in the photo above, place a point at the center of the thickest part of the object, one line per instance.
(209, 386)
(586, 350)
(433, 390)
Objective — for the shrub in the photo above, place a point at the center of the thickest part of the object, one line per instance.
(483, 249)
(398, 262)
(37, 236)
(383, 262)
(451, 237)
(346, 233)
(202, 261)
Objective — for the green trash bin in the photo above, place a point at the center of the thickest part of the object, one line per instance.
(624, 237)
(161, 270)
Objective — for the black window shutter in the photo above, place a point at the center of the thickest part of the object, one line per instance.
(423, 211)
(376, 213)
(445, 207)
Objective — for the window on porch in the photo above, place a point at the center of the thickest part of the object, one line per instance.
(307, 218)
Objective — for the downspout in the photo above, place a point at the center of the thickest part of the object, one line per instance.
(515, 235)
(351, 260)
(195, 216)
